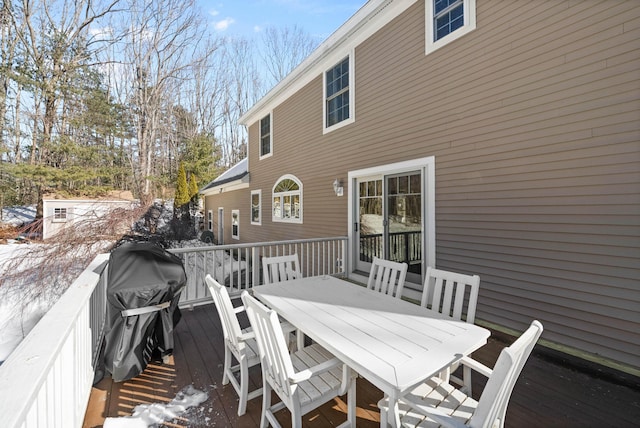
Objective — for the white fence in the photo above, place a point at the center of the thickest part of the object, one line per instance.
(47, 379)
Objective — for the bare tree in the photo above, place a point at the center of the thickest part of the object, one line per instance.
(285, 48)
(56, 41)
(162, 47)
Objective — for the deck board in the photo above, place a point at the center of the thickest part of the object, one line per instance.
(549, 393)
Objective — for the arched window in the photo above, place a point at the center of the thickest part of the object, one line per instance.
(287, 200)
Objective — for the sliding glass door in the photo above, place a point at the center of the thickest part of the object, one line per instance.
(389, 221)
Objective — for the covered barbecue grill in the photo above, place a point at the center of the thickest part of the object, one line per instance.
(143, 290)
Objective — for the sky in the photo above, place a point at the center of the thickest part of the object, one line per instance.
(247, 18)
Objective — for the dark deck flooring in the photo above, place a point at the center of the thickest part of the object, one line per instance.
(552, 391)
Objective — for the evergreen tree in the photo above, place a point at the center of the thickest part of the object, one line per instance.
(182, 192)
(193, 188)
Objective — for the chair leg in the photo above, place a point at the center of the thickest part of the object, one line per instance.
(244, 386)
(296, 419)
(266, 403)
(227, 365)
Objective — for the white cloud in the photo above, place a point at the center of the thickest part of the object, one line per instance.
(224, 24)
(214, 12)
(257, 29)
(102, 31)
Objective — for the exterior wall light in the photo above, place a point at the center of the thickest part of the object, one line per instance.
(337, 187)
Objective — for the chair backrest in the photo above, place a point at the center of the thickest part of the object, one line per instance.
(446, 292)
(497, 392)
(280, 268)
(274, 355)
(387, 277)
(230, 324)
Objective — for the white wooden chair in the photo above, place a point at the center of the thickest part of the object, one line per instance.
(450, 293)
(283, 268)
(280, 268)
(303, 380)
(239, 343)
(442, 404)
(387, 277)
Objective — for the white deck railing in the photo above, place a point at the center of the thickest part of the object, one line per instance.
(47, 379)
(239, 266)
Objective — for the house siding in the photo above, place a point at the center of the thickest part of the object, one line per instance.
(534, 122)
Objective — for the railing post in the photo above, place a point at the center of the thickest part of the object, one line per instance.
(255, 267)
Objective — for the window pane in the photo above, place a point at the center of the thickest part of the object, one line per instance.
(415, 186)
(265, 135)
(286, 207)
(296, 206)
(449, 17)
(276, 207)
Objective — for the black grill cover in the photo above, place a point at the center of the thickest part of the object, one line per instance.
(141, 274)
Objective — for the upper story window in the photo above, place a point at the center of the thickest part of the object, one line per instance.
(338, 95)
(265, 136)
(59, 214)
(448, 20)
(256, 207)
(287, 200)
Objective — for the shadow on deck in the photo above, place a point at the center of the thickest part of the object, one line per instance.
(551, 391)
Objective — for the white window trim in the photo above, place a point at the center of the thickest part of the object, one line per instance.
(427, 165)
(56, 219)
(210, 220)
(352, 95)
(282, 219)
(268, 155)
(259, 193)
(469, 25)
(237, 213)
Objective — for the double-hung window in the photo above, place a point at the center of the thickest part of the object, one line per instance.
(256, 207)
(287, 200)
(265, 136)
(338, 95)
(448, 20)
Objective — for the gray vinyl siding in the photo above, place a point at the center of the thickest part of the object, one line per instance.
(534, 122)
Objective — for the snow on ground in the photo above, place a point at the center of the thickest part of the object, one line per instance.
(14, 328)
(18, 216)
(147, 415)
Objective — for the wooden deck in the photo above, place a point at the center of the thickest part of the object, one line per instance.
(551, 392)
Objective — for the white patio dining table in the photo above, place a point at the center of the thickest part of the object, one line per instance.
(392, 343)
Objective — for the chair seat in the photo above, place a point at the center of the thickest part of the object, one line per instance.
(326, 384)
(441, 395)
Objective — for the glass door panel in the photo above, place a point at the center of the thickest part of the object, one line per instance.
(370, 229)
(403, 235)
(389, 221)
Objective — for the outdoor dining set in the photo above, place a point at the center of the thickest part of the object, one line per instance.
(314, 336)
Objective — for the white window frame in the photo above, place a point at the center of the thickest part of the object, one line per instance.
(210, 220)
(235, 214)
(259, 193)
(468, 26)
(281, 219)
(60, 215)
(352, 92)
(264, 156)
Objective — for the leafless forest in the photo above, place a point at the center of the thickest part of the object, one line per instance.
(113, 94)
